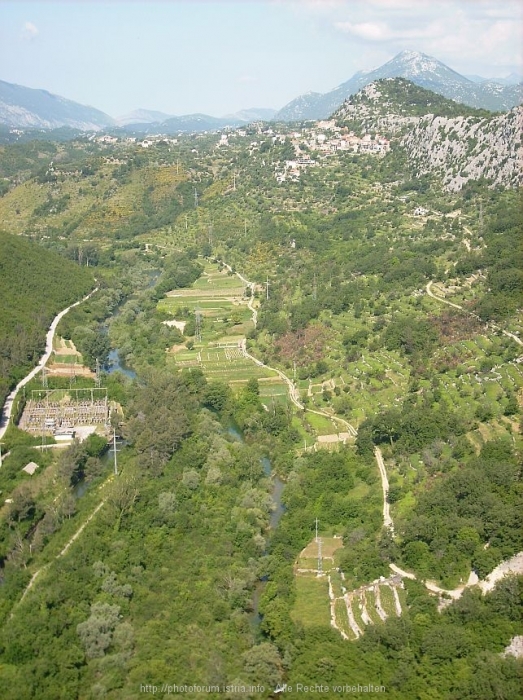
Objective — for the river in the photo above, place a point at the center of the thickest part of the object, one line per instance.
(115, 362)
(278, 509)
(117, 365)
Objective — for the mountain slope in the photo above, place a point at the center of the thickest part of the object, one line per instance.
(459, 143)
(144, 121)
(23, 107)
(422, 70)
(185, 123)
(142, 116)
(253, 114)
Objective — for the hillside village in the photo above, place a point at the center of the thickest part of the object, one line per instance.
(311, 143)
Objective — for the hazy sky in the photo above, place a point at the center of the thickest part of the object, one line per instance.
(217, 57)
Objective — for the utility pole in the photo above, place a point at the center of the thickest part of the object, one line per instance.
(115, 453)
(98, 378)
(234, 182)
(186, 222)
(315, 289)
(1, 443)
(481, 217)
(245, 227)
(267, 285)
(195, 198)
(320, 559)
(44, 377)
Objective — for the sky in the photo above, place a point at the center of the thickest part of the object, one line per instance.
(215, 57)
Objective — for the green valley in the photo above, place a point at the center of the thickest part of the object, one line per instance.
(309, 339)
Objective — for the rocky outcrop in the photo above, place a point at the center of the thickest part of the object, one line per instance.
(465, 148)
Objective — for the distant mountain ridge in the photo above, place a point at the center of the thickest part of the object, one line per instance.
(27, 108)
(145, 121)
(422, 70)
(142, 116)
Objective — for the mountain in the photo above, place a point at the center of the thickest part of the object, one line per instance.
(512, 79)
(476, 78)
(255, 114)
(439, 135)
(142, 116)
(143, 121)
(185, 123)
(22, 107)
(422, 70)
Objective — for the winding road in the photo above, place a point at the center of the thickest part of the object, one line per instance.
(513, 565)
(293, 390)
(8, 405)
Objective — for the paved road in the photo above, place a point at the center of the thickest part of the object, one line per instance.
(8, 405)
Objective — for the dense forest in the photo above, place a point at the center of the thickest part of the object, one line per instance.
(34, 286)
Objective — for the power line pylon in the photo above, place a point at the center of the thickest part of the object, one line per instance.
(198, 326)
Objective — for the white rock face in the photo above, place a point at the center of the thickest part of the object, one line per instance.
(467, 148)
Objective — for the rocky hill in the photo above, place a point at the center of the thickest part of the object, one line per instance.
(419, 68)
(438, 135)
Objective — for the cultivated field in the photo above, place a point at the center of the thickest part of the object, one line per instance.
(219, 300)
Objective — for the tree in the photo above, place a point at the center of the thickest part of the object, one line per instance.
(263, 665)
(96, 633)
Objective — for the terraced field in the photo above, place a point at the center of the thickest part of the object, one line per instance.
(219, 300)
(323, 596)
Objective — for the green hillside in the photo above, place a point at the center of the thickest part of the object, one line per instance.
(35, 284)
(400, 96)
(380, 303)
